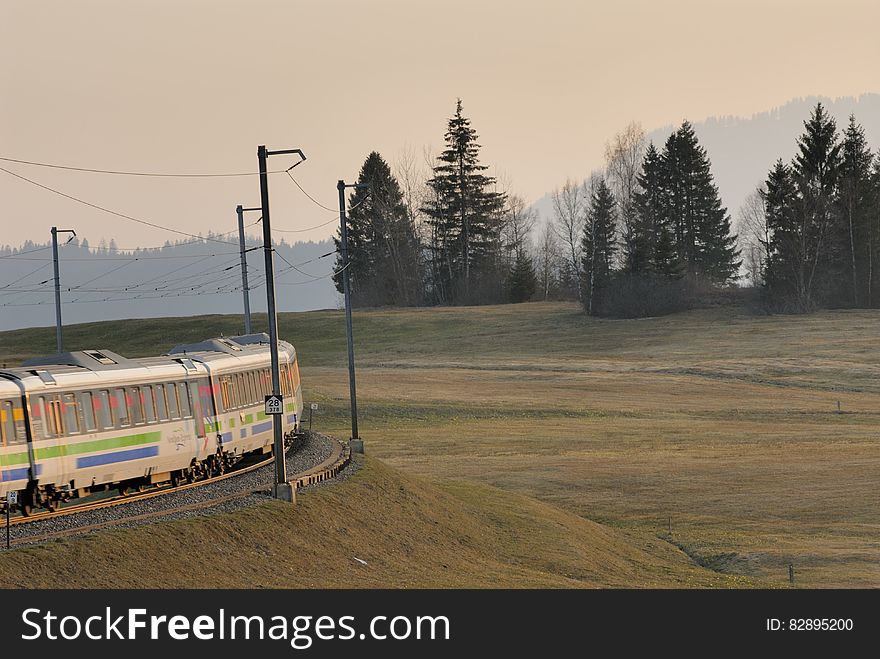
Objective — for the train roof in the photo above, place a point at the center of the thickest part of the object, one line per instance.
(9, 389)
(92, 365)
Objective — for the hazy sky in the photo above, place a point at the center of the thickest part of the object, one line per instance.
(195, 86)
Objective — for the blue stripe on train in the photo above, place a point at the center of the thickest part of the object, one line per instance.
(242, 433)
(291, 418)
(226, 437)
(17, 474)
(261, 427)
(118, 456)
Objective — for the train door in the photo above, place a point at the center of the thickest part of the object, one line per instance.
(201, 415)
(48, 437)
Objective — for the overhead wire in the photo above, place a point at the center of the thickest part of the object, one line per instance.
(93, 170)
(316, 202)
(113, 212)
(32, 272)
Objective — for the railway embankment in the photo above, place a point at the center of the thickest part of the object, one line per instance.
(370, 526)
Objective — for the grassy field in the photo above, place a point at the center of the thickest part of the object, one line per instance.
(718, 424)
(409, 532)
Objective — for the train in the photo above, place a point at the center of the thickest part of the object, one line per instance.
(75, 423)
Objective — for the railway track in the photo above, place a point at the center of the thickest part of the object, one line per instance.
(339, 458)
(122, 500)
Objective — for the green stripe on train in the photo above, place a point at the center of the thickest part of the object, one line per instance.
(90, 446)
(248, 418)
(12, 459)
(291, 407)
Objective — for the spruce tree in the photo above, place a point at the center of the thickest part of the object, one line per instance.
(785, 271)
(664, 262)
(700, 224)
(816, 170)
(654, 220)
(522, 281)
(855, 201)
(463, 215)
(383, 249)
(598, 247)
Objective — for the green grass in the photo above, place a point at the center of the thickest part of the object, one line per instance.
(721, 422)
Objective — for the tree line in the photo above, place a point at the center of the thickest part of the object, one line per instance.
(812, 236)
(646, 235)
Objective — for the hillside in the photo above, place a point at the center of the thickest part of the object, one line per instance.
(720, 424)
(411, 533)
(743, 149)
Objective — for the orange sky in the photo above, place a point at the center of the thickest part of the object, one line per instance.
(195, 86)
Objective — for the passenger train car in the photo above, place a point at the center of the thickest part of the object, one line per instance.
(78, 422)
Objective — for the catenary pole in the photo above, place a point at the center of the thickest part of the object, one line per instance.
(59, 339)
(280, 461)
(282, 489)
(356, 442)
(245, 291)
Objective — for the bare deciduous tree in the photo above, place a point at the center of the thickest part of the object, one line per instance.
(412, 172)
(519, 220)
(547, 259)
(570, 204)
(754, 235)
(624, 154)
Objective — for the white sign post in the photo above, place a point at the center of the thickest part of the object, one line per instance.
(274, 405)
(11, 500)
(312, 409)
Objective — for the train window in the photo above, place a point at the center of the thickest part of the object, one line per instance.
(103, 411)
(135, 405)
(7, 425)
(40, 416)
(173, 409)
(195, 402)
(161, 407)
(55, 417)
(223, 400)
(120, 407)
(149, 408)
(88, 410)
(185, 407)
(248, 388)
(70, 407)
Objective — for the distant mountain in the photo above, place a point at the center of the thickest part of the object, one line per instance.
(184, 279)
(742, 150)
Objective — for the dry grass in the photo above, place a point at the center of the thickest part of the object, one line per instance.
(410, 533)
(724, 422)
